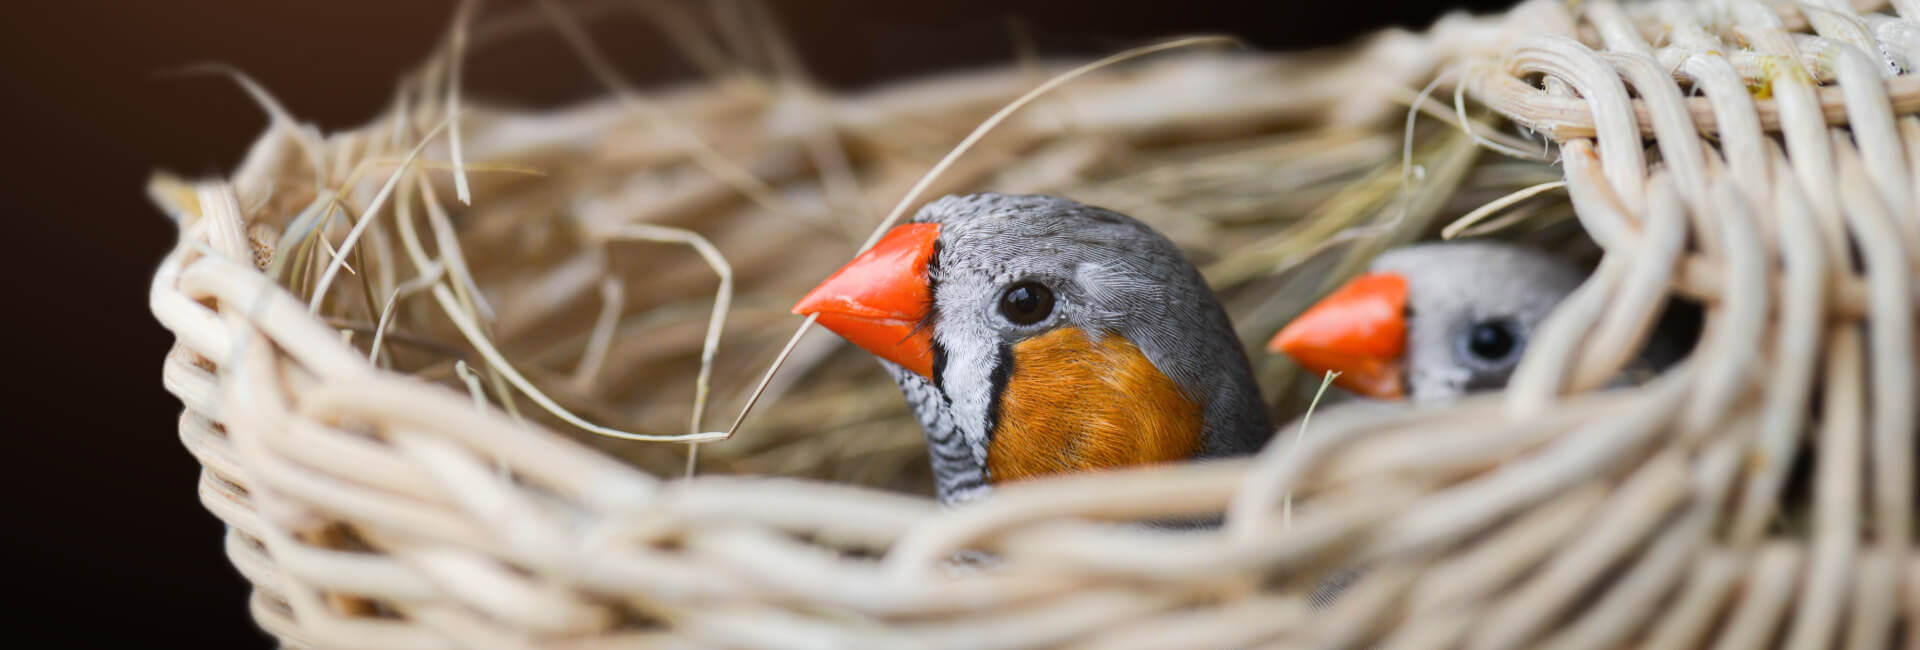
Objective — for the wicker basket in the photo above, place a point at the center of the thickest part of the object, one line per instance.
(398, 345)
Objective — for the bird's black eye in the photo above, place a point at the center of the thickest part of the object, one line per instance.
(1492, 340)
(1026, 303)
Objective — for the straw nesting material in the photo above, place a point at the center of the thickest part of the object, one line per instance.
(395, 352)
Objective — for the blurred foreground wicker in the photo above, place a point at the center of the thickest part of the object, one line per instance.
(393, 433)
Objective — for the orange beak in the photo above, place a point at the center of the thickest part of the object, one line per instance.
(878, 300)
(1359, 331)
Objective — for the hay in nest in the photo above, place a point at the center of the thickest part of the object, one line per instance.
(415, 355)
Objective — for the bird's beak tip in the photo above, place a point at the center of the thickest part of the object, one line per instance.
(1290, 338)
(812, 303)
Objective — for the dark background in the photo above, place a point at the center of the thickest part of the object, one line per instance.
(106, 539)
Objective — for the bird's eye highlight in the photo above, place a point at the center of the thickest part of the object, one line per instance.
(1492, 340)
(1026, 303)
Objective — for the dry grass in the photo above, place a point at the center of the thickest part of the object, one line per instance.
(563, 322)
(401, 346)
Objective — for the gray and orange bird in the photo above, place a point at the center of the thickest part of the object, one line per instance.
(1429, 323)
(1432, 322)
(1034, 335)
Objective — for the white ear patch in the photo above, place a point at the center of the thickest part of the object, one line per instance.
(1092, 278)
(1112, 290)
(1107, 286)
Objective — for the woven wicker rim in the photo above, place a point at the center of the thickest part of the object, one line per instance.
(1553, 514)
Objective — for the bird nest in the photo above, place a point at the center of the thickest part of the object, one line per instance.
(462, 377)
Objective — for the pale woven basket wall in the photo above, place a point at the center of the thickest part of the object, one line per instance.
(1734, 152)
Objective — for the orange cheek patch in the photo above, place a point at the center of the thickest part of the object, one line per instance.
(1075, 404)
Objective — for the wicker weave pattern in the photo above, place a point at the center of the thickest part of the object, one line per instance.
(373, 509)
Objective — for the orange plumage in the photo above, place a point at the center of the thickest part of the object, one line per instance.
(1074, 403)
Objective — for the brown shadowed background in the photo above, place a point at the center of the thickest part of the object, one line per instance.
(108, 543)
